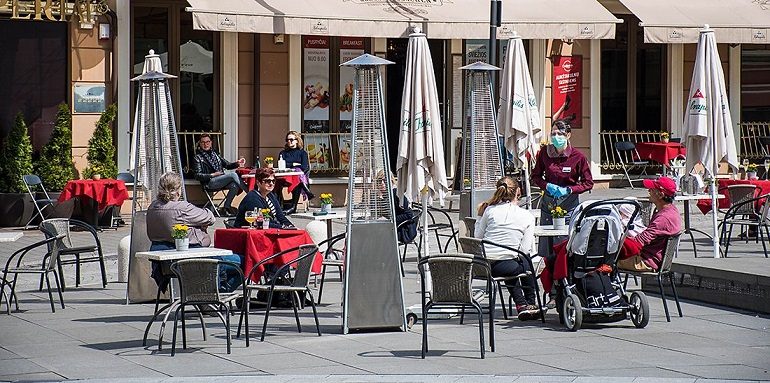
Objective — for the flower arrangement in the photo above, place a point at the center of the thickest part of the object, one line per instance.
(266, 213)
(326, 199)
(665, 136)
(466, 183)
(269, 160)
(179, 231)
(751, 168)
(558, 212)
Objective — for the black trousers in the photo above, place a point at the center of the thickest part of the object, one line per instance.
(509, 268)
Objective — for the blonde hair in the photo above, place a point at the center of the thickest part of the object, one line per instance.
(507, 191)
(170, 187)
(300, 143)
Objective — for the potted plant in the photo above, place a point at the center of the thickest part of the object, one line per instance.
(751, 171)
(266, 215)
(101, 149)
(269, 161)
(16, 205)
(181, 241)
(558, 213)
(96, 172)
(326, 202)
(664, 137)
(466, 183)
(55, 166)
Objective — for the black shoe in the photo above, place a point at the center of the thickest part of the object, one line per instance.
(290, 210)
(231, 211)
(309, 195)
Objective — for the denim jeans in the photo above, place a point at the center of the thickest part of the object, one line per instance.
(230, 181)
(229, 277)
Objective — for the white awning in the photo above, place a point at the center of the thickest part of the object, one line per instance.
(733, 21)
(440, 19)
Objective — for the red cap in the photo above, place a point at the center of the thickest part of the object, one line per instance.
(666, 185)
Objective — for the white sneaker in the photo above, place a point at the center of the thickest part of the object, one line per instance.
(539, 263)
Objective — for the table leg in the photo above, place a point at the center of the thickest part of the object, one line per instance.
(328, 228)
(689, 230)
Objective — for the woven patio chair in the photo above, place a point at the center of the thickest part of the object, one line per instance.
(74, 255)
(16, 265)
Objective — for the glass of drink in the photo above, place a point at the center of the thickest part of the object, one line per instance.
(251, 217)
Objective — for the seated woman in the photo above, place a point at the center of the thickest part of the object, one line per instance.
(503, 221)
(166, 211)
(296, 158)
(263, 198)
(407, 232)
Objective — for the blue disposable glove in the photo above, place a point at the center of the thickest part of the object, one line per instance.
(552, 190)
(564, 191)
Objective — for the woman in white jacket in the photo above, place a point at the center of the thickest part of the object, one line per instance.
(502, 221)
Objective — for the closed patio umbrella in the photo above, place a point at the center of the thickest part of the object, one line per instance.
(707, 122)
(420, 164)
(518, 116)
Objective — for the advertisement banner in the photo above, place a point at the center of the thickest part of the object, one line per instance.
(318, 150)
(567, 100)
(476, 50)
(350, 48)
(315, 89)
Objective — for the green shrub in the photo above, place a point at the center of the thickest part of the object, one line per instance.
(101, 149)
(16, 158)
(55, 165)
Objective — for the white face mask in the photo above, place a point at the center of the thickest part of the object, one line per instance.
(559, 142)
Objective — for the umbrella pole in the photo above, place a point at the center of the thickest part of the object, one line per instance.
(424, 236)
(714, 204)
(527, 185)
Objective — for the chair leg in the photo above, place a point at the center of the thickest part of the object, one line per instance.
(50, 296)
(315, 312)
(244, 314)
(663, 297)
(492, 320)
(294, 304)
(761, 238)
(676, 296)
(267, 314)
(104, 270)
(227, 326)
(77, 270)
(173, 337)
(729, 236)
(424, 328)
(502, 301)
(184, 327)
(323, 277)
(481, 330)
(58, 289)
(61, 273)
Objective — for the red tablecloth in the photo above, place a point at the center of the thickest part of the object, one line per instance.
(289, 181)
(256, 245)
(660, 152)
(705, 204)
(105, 192)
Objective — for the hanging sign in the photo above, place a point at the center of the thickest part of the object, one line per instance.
(350, 48)
(315, 101)
(567, 84)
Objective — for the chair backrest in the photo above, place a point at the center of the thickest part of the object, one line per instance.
(742, 193)
(126, 177)
(470, 225)
(57, 227)
(646, 213)
(675, 139)
(52, 260)
(669, 253)
(451, 276)
(32, 182)
(470, 245)
(304, 265)
(230, 223)
(764, 212)
(624, 146)
(198, 279)
(328, 245)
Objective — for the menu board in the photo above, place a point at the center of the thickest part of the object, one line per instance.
(476, 50)
(318, 148)
(350, 48)
(567, 89)
(315, 90)
(343, 140)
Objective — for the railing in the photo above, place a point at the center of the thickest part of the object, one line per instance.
(188, 142)
(610, 160)
(751, 148)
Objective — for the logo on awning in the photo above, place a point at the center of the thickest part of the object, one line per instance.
(759, 35)
(227, 23)
(698, 94)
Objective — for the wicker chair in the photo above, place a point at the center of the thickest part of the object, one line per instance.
(476, 247)
(299, 284)
(451, 276)
(738, 194)
(332, 257)
(15, 266)
(669, 253)
(443, 228)
(198, 288)
(744, 214)
(74, 255)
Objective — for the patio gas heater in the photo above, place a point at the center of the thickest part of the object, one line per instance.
(481, 161)
(372, 290)
(154, 151)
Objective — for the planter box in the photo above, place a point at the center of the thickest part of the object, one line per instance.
(15, 209)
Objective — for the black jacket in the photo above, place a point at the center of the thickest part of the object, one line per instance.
(202, 168)
(408, 231)
(255, 200)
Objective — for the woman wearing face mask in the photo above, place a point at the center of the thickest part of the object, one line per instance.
(563, 173)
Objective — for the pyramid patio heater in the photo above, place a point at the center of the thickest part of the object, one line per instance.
(372, 290)
(481, 161)
(154, 151)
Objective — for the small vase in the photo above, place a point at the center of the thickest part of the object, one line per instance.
(265, 224)
(751, 175)
(326, 207)
(270, 165)
(182, 244)
(96, 177)
(559, 223)
(664, 140)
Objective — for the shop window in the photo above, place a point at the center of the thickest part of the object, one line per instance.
(755, 83)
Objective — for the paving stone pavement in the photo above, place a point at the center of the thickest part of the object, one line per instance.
(98, 337)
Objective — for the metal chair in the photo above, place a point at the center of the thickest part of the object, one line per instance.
(470, 225)
(764, 144)
(439, 227)
(211, 195)
(32, 181)
(229, 223)
(677, 140)
(62, 227)
(629, 158)
(737, 194)
(332, 257)
(477, 247)
(451, 276)
(198, 288)
(669, 253)
(744, 214)
(299, 284)
(16, 266)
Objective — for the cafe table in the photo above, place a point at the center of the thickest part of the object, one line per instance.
(166, 257)
(289, 179)
(660, 152)
(763, 187)
(258, 244)
(329, 218)
(100, 193)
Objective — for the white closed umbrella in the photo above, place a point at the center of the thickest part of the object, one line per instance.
(420, 164)
(707, 122)
(518, 116)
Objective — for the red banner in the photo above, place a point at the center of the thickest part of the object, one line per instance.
(567, 89)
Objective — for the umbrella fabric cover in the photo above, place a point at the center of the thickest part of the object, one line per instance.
(420, 160)
(707, 116)
(518, 116)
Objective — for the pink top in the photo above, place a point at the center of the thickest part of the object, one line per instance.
(663, 224)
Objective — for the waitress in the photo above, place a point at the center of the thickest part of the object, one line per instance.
(296, 158)
(564, 173)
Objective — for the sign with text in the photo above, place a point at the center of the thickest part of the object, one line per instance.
(567, 89)
(89, 98)
(49, 10)
(315, 88)
(350, 48)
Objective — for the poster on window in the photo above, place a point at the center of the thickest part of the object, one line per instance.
(567, 102)
(476, 50)
(315, 84)
(344, 145)
(318, 149)
(350, 48)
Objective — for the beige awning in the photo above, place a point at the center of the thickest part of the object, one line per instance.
(733, 21)
(440, 19)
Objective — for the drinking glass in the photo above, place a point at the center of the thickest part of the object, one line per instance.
(250, 217)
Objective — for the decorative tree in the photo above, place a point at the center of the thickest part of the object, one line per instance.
(101, 150)
(16, 158)
(55, 165)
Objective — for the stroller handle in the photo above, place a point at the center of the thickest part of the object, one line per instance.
(611, 202)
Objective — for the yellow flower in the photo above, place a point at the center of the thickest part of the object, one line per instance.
(265, 213)
(558, 212)
(179, 231)
(269, 159)
(326, 198)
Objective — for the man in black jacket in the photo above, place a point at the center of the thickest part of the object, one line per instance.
(209, 168)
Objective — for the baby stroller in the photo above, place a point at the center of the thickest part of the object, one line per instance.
(596, 238)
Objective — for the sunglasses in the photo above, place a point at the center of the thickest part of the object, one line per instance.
(291, 139)
(269, 180)
(206, 142)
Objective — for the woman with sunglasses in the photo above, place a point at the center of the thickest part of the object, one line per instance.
(562, 173)
(262, 197)
(297, 158)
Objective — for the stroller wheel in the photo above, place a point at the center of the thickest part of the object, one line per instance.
(572, 312)
(639, 309)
